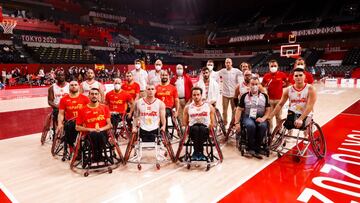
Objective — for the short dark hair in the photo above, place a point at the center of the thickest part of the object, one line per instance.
(205, 69)
(95, 89)
(137, 61)
(299, 70)
(210, 61)
(196, 88)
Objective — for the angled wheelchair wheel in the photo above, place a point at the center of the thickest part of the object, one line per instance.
(317, 139)
(216, 144)
(58, 143)
(168, 146)
(130, 146)
(220, 122)
(277, 136)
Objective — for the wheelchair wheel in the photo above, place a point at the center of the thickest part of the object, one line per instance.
(168, 146)
(214, 141)
(86, 153)
(220, 122)
(317, 140)
(47, 130)
(130, 146)
(57, 144)
(277, 136)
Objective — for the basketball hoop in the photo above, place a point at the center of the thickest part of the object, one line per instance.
(8, 25)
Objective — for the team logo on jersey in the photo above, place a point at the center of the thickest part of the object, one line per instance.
(148, 108)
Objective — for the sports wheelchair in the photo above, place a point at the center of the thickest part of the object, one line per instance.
(174, 127)
(121, 126)
(84, 157)
(242, 140)
(48, 132)
(162, 146)
(209, 144)
(310, 134)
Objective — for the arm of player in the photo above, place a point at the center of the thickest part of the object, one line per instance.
(238, 113)
(60, 120)
(131, 106)
(186, 115)
(177, 107)
(51, 97)
(136, 118)
(107, 126)
(162, 116)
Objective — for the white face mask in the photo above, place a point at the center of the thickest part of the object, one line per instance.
(179, 72)
(157, 67)
(300, 66)
(210, 67)
(117, 86)
(273, 69)
(137, 66)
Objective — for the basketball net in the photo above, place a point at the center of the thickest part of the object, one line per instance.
(8, 25)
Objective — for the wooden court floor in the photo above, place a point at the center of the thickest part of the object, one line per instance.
(31, 174)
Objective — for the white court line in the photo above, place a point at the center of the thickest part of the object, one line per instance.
(257, 171)
(8, 193)
(243, 180)
(113, 199)
(146, 183)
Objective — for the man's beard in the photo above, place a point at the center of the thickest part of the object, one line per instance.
(164, 80)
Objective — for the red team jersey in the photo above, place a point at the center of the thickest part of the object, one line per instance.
(131, 89)
(72, 106)
(93, 117)
(118, 101)
(274, 83)
(167, 94)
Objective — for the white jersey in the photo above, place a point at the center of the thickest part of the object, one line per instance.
(149, 114)
(298, 99)
(87, 87)
(199, 114)
(59, 92)
(154, 77)
(243, 88)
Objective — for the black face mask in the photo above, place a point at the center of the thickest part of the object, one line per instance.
(164, 80)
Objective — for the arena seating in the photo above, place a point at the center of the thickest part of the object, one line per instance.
(8, 54)
(352, 57)
(61, 55)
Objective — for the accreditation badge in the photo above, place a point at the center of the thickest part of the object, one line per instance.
(253, 113)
